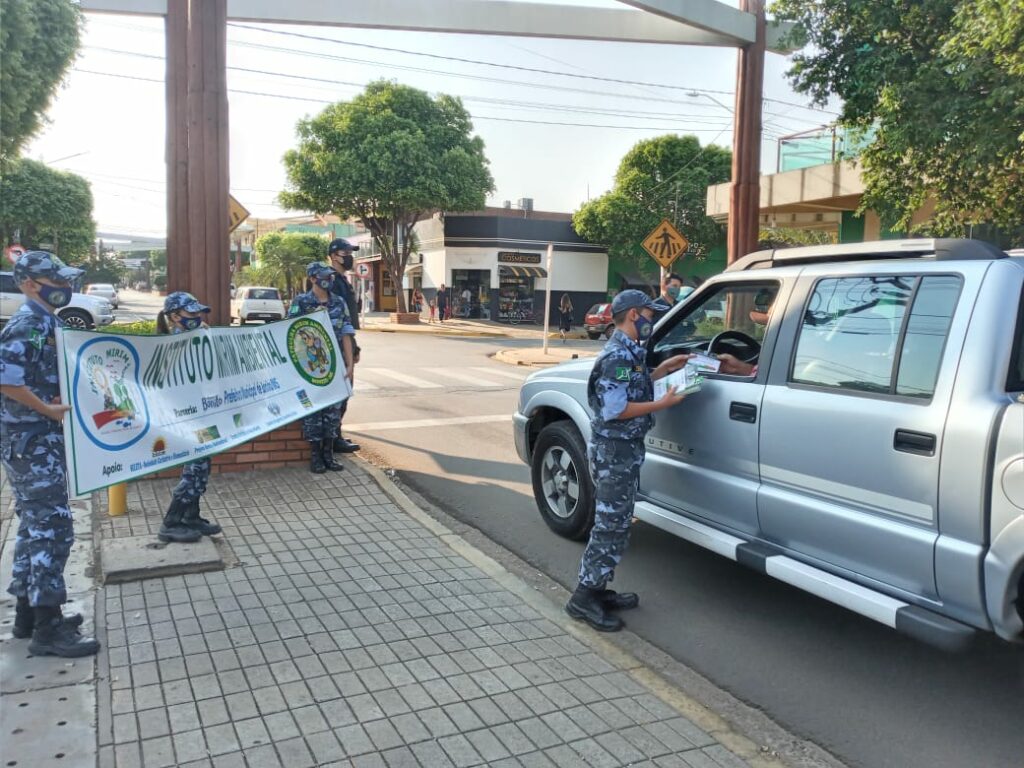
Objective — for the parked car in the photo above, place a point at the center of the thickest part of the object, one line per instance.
(103, 291)
(257, 303)
(83, 311)
(875, 454)
(598, 321)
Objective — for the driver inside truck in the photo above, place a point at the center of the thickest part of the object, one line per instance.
(732, 365)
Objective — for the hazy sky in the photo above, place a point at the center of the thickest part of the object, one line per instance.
(110, 129)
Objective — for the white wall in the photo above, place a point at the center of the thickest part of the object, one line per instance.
(572, 271)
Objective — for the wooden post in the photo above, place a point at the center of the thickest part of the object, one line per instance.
(745, 192)
(198, 244)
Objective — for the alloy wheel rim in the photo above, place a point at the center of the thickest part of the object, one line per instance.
(560, 482)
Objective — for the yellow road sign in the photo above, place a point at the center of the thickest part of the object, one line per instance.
(665, 244)
(236, 213)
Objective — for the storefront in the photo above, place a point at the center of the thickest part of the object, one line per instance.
(493, 263)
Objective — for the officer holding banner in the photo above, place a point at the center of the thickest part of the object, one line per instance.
(32, 451)
(341, 255)
(321, 428)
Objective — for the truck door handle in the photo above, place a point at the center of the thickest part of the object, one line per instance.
(908, 441)
(744, 412)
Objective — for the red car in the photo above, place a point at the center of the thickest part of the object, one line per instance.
(598, 321)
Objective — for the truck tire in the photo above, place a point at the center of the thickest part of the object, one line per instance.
(609, 331)
(562, 486)
(594, 335)
(77, 318)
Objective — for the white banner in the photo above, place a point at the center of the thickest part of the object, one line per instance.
(142, 404)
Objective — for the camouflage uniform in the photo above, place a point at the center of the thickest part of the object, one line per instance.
(323, 424)
(616, 453)
(196, 474)
(32, 450)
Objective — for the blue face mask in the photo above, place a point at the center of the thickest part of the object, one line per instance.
(54, 296)
(190, 323)
(673, 291)
(643, 328)
(325, 283)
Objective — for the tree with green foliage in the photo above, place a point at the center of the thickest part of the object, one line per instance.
(389, 157)
(102, 268)
(662, 178)
(283, 257)
(48, 206)
(38, 40)
(941, 82)
(789, 237)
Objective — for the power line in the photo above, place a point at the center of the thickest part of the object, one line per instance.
(516, 67)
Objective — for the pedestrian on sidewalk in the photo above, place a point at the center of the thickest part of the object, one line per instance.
(565, 311)
(320, 428)
(620, 393)
(417, 300)
(433, 311)
(341, 255)
(32, 452)
(183, 312)
(442, 303)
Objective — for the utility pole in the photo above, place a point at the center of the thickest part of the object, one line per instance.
(547, 296)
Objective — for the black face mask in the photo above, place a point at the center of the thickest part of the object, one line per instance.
(347, 260)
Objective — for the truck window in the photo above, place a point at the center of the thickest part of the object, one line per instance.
(742, 307)
(857, 332)
(1016, 379)
(850, 333)
(926, 333)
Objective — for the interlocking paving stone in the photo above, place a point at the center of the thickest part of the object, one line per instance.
(348, 634)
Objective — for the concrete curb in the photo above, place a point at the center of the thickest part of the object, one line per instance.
(464, 334)
(621, 654)
(510, 357)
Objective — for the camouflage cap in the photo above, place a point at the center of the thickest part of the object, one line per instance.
(183, 300)
(317, 269)
(632, 299)
(33, 264)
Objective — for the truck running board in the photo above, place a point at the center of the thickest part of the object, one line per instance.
(915, 621)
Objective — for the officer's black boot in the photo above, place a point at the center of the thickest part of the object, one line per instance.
(52, 637)
(25, 619)
(327, 450)
(619, 601)
(316, 457)
(195, 522)
(174, 527)
(585, 605)
(341, 445)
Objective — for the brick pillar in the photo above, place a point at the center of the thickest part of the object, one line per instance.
(197, 152)
(745, 191)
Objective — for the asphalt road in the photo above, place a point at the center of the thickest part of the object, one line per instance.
(438, 411)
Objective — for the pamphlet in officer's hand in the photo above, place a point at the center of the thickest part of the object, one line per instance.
(704, 363)
(685, 381)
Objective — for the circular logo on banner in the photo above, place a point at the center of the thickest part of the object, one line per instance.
(311, 352)
(107, 398)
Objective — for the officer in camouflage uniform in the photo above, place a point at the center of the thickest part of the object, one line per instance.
(183, 312)
(341, 255)
(321, 428)
(32, 451)
(620, 393)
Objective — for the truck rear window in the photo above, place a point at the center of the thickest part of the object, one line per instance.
(1015, 382)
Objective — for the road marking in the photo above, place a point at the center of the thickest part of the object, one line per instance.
(469, 378)
(364, 386)
(412, 381)
(497, 372)
(377, 426)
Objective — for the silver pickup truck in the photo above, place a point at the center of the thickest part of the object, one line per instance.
(873, 452)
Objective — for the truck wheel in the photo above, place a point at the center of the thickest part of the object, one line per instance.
(593, 335)
(76, 318)
(561, 481)
(609, 331)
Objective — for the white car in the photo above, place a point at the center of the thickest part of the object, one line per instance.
(103, 291)
(82, 312)
(254, 302)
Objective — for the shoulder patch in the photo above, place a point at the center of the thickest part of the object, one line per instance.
(622, 373)
(36, 338)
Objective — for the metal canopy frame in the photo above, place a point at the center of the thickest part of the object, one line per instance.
(197, 108)
(670, 22)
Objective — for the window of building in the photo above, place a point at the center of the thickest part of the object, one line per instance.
(860, 334)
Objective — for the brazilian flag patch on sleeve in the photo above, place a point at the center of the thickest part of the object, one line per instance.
(622, 373)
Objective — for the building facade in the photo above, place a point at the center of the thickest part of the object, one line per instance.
(493, 265)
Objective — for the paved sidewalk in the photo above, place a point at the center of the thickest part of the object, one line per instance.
(380, 321)
(535, 357)
(355, 630)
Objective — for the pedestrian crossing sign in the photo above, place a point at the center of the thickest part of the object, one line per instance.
(665, 244)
